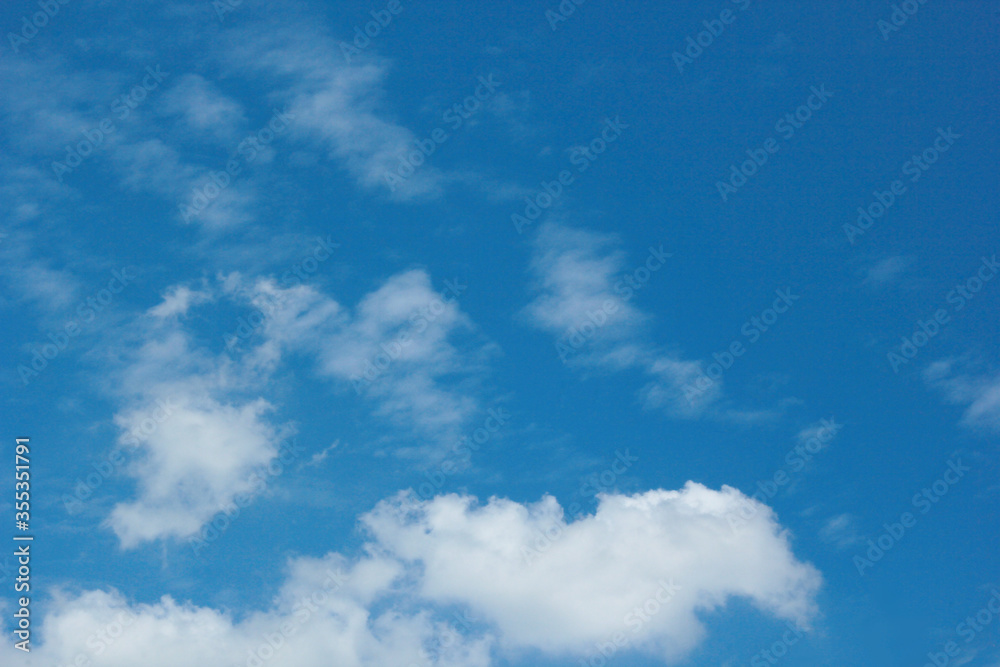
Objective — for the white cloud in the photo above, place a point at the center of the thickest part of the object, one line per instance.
(841, 531)
(887, 271)
(323, 615)
(177, 301)
(197, 454)
(395, 346)
(386, 606)
(980, 393)
(203, 108)
(584, 298)
(337, 102)
(563, 587)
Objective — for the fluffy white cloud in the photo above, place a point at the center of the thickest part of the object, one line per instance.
(645, 566)
(197, 454)
(323, 615)
(565, 586)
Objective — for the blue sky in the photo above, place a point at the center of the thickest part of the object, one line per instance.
(465, 335)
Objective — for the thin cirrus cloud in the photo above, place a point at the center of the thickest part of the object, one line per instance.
(581, 299)
(395, 347)
(979, 394)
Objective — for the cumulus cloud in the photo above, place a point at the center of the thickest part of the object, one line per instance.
(323, 615)
(192, 434)
(562, 586)
(649, 566)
